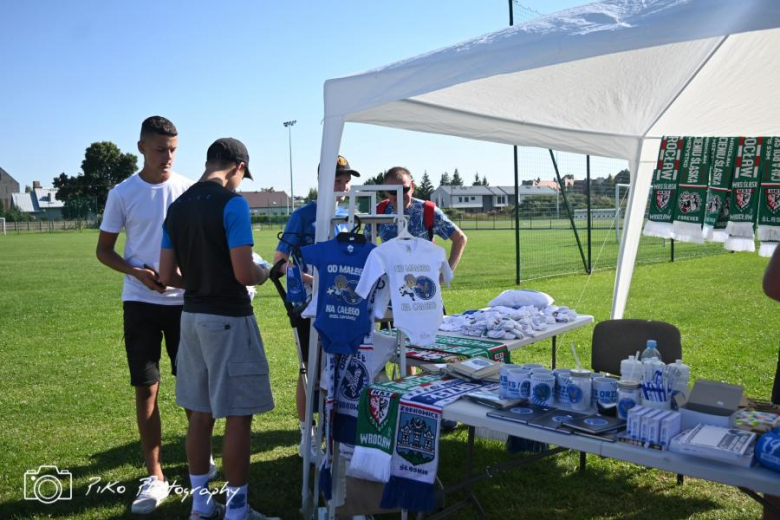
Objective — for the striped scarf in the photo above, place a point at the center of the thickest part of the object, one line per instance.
(664, 189)
(689, 211)
(722, 156)
(743, 201)
(769, 204)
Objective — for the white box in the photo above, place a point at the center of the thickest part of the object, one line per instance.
(634, 421)
(645, 423)
(670, 426)
(691, 418)
(654, 426)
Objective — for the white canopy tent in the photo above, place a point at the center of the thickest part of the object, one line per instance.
(607, 79)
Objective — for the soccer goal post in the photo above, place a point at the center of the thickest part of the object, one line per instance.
(618, 206)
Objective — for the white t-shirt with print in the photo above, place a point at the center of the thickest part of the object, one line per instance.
(413, 267)
(140, 208)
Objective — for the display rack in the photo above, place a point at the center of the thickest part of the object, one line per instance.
(310, 491)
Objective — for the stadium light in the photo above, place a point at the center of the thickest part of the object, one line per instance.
(288, 125)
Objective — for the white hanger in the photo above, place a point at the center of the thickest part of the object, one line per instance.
(403, 228)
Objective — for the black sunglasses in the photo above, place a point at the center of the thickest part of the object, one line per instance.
(393, 193)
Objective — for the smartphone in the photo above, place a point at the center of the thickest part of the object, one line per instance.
(159, 284)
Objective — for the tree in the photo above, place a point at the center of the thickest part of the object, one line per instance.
(312, 195)
(267, 190)
(623, 177)
(103, 167)
(484, 181)
(476, 182)
(456, 178)
(445, 179)
(379, 178)
(27, 188)
(424, 189)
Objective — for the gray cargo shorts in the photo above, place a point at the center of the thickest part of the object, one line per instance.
(221, 365)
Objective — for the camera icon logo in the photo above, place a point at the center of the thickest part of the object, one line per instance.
(48, 484)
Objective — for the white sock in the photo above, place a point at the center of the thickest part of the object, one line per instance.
(237, 505)
(201, 497)
(211, 460)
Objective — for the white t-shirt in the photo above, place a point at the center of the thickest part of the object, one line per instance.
(140, 208)
(413, 267)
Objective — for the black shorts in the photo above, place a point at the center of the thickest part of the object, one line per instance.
(145, 326)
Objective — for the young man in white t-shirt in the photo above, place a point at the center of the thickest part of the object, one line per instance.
(151, 310)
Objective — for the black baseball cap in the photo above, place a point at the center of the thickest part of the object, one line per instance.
(342, 167)
(229, 149)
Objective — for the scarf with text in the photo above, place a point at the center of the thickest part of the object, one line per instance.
(769, 203)
(664, 188)
(416, 448)
(743, 200)
(689, 210)
(723, 151)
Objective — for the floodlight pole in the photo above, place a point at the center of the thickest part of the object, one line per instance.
(288, 125)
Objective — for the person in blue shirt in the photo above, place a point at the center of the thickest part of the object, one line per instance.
(771, 287)
(222, 366)
(299, 232)
(413, 208)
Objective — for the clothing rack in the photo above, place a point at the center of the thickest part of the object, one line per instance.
(310, 494)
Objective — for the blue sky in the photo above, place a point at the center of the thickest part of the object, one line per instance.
(85, 71)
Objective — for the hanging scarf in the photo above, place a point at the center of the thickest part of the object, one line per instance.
(416, 451)
(722, 156)
(743, 201)
(353, 374)
(769, 204)
(690, 209)
(327, 385)
(377, 419)
(664, 189)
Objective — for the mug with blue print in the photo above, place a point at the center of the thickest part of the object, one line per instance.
(542, 389)
(517, 383)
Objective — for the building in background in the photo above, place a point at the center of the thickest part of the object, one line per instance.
(41, 203)
(267, 202)
(481, 199)
(8, 186)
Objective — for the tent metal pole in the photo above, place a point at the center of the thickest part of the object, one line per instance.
(517, 190)
(590, 215)
(568, 210)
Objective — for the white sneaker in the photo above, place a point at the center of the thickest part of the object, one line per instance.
(218, 514)
(314, 450)
(251, 514)
(152, 493)
(212, 471)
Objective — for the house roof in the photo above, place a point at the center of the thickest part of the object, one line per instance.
(4, 176)
(496, 190)
(47, 198)
(25, 202)
(265, 199)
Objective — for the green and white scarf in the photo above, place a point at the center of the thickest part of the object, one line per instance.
(743, 201)
(664, 189)
(690, 208)
(723, 151)
(769, 204)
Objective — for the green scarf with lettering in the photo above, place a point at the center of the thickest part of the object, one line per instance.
(664, 189)
(690, 209)
(769, 203)
(743, 201)
(723, 152)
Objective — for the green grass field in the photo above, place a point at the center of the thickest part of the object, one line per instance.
(66, 398)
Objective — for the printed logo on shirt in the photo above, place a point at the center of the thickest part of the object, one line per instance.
(418, 287)
(355, 379)
(345, 289)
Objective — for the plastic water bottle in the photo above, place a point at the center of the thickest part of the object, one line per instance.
(651, 352)
(630, 369)
(683, 378)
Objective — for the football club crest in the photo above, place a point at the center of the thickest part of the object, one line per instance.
(355, 379)
(379, 407)
(416, 441)
(742, 197)
(713, 204)
(689, 202)
(662, 198)
(773, 199)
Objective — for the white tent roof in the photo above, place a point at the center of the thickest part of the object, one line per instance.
(605, 79)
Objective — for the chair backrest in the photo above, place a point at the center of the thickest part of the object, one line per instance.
(615, 340)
